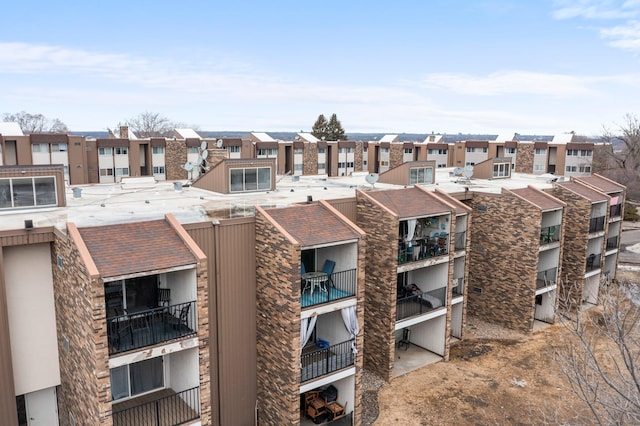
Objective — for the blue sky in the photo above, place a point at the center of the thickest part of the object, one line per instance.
(444, 66)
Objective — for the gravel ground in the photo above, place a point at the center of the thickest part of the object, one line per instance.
(475, 328)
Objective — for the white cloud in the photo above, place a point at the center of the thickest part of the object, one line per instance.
(509, 83)
(623, 36)
(596, 9)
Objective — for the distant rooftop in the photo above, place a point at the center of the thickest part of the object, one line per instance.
(186, 134)
(8, 128)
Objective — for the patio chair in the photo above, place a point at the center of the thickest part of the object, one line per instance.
(327, 268)
(164, 297)
(181, 320)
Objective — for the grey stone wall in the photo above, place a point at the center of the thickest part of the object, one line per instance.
(175, 156)
(310, 159)
(396, 152)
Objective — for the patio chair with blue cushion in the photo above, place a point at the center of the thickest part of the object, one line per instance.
(327, 268)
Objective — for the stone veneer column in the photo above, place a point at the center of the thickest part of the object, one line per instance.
(85, 390)
(396, 153)
(357, 157)
(575, 237)
(380, 285)
(202, 283)
(504, 259)
(524, 158)
(175, 155)
(277, 325)
(310, 159)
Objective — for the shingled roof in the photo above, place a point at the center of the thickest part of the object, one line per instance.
(136, 247)
(409, 202)
(584, 191)
(603, 184)
(538, 198)
(312, 224)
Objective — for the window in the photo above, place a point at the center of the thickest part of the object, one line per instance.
(193, 150)
(441, 165)
(158, 170)
(106, 172)
(511, 150)
(437, 152)
(470, 163)
(233, 149)
(104, 151)
(585, 169)
(350, 164)
(121, 171)
(28, 192)
(501, 170)
(572, 152)
(364, 162)
(408, 150)
(538, 168)
(321, 150)
(541, 151)
(58, 147)
(134, 379)
(121, 150)
(342, 150)
(420, 175)
(298, 167)
(269, 152)
(39, 147)
(384, 150)
(321, 166)
(570, 169)
(364, 150)
(384, 163)
(586, 153)
(485, 149)
(297, 151)
(250, 179)
(469, 149)
(157, 149)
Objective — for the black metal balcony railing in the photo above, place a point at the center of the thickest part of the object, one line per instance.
(596, 224)
(458, 289)
(593, 262)
(151, 326)
(423, 248)
(546, 278)
(329, 288)
(460, 240)
(550, 234)
(326, 360)
(176, 409)
(615, 210)
(421, 303)
(612, 243)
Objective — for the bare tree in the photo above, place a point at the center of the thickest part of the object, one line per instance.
(36, 123)
(150, 124)
(625, 161)
(601, 355)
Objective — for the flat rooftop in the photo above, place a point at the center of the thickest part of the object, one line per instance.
(104, 204)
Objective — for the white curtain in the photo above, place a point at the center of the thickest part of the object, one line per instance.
(306, 329)
(411, 225)
(350, 319)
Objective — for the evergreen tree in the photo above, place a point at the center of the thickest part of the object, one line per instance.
(335, 132)
(319, 129)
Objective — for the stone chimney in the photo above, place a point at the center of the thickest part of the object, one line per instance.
(124, 132)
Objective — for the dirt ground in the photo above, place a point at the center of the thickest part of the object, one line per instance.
(498, 380)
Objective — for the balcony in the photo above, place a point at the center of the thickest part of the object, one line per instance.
(148, 327)
(166, 408)
(420, 302)
(596, 224)
(321, 361)
(460, 240)
(458, 290)
(550, 234)
(423, 248)
(612, 243)
(593, 262)
(546, 278)
(615, 211)
(326, 288)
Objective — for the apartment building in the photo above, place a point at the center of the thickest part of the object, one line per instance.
(416, 262)
(310, 301)
(522, 227)
(241, 257)
(593, 231)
